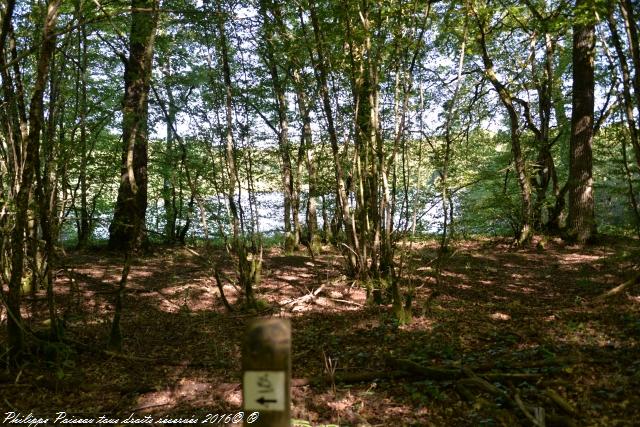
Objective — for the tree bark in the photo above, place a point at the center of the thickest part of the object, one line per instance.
(626, 86)
(291, 228)
(321, 72)
(32, 149)
(84, 229)
(506, 98)
(127, 228)
(581, 221)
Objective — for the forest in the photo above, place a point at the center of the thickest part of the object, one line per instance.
(440, 196)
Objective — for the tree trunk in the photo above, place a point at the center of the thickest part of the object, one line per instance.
(249, 259)
(127, 228)
(168, 169)
(342, 201)
(84, 229)
(631, 26)
(32, 149)
(306, 144)
(526, 231)
(581, 221)
(291, 230)
(626, 85)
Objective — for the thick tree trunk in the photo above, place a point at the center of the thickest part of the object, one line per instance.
(581, 221)
(127, 228)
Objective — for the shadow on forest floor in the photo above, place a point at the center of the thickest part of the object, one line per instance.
(493, 309)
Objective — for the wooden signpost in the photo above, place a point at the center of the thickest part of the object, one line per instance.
(266, 372)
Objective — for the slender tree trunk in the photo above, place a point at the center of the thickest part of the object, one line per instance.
(249, 259)
(230, 157)
(291, 228)
(127, 228)
(32, 149)
(168, 170)
(447, 201)
(581, 221)
(557, 212)
(342, 201)
(84, 230)
(506, 98)
(46, 190)
(626, 85)
(306, 143)
(632, 194)
(631, 26)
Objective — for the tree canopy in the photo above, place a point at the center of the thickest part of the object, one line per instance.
(364, 126)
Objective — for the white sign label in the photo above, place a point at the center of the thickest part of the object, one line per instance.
(264, 390)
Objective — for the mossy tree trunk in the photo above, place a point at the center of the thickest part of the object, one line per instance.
(127, 230)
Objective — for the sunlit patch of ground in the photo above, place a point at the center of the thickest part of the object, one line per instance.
(487, 306)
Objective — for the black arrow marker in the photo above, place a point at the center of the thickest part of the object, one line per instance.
(262, 401)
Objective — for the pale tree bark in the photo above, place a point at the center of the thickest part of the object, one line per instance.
(168, 168)
(448, 139)
(581, 224)
(306, 146)
(306, 152)
(557, 212)
(367, 145)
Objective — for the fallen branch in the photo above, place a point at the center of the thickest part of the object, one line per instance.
(537, 419)
(424, 371)
(620, 288)
(344, 301)
(225, 302)
(350, 378)
(304, 299)
(561, 402)
(474, 379)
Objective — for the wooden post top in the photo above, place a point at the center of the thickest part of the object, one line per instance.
(266, 372)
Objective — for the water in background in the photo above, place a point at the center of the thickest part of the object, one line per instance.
(270, 208)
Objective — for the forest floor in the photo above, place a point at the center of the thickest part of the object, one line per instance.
(525, 320)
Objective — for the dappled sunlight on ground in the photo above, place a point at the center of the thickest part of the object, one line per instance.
(487, 306)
